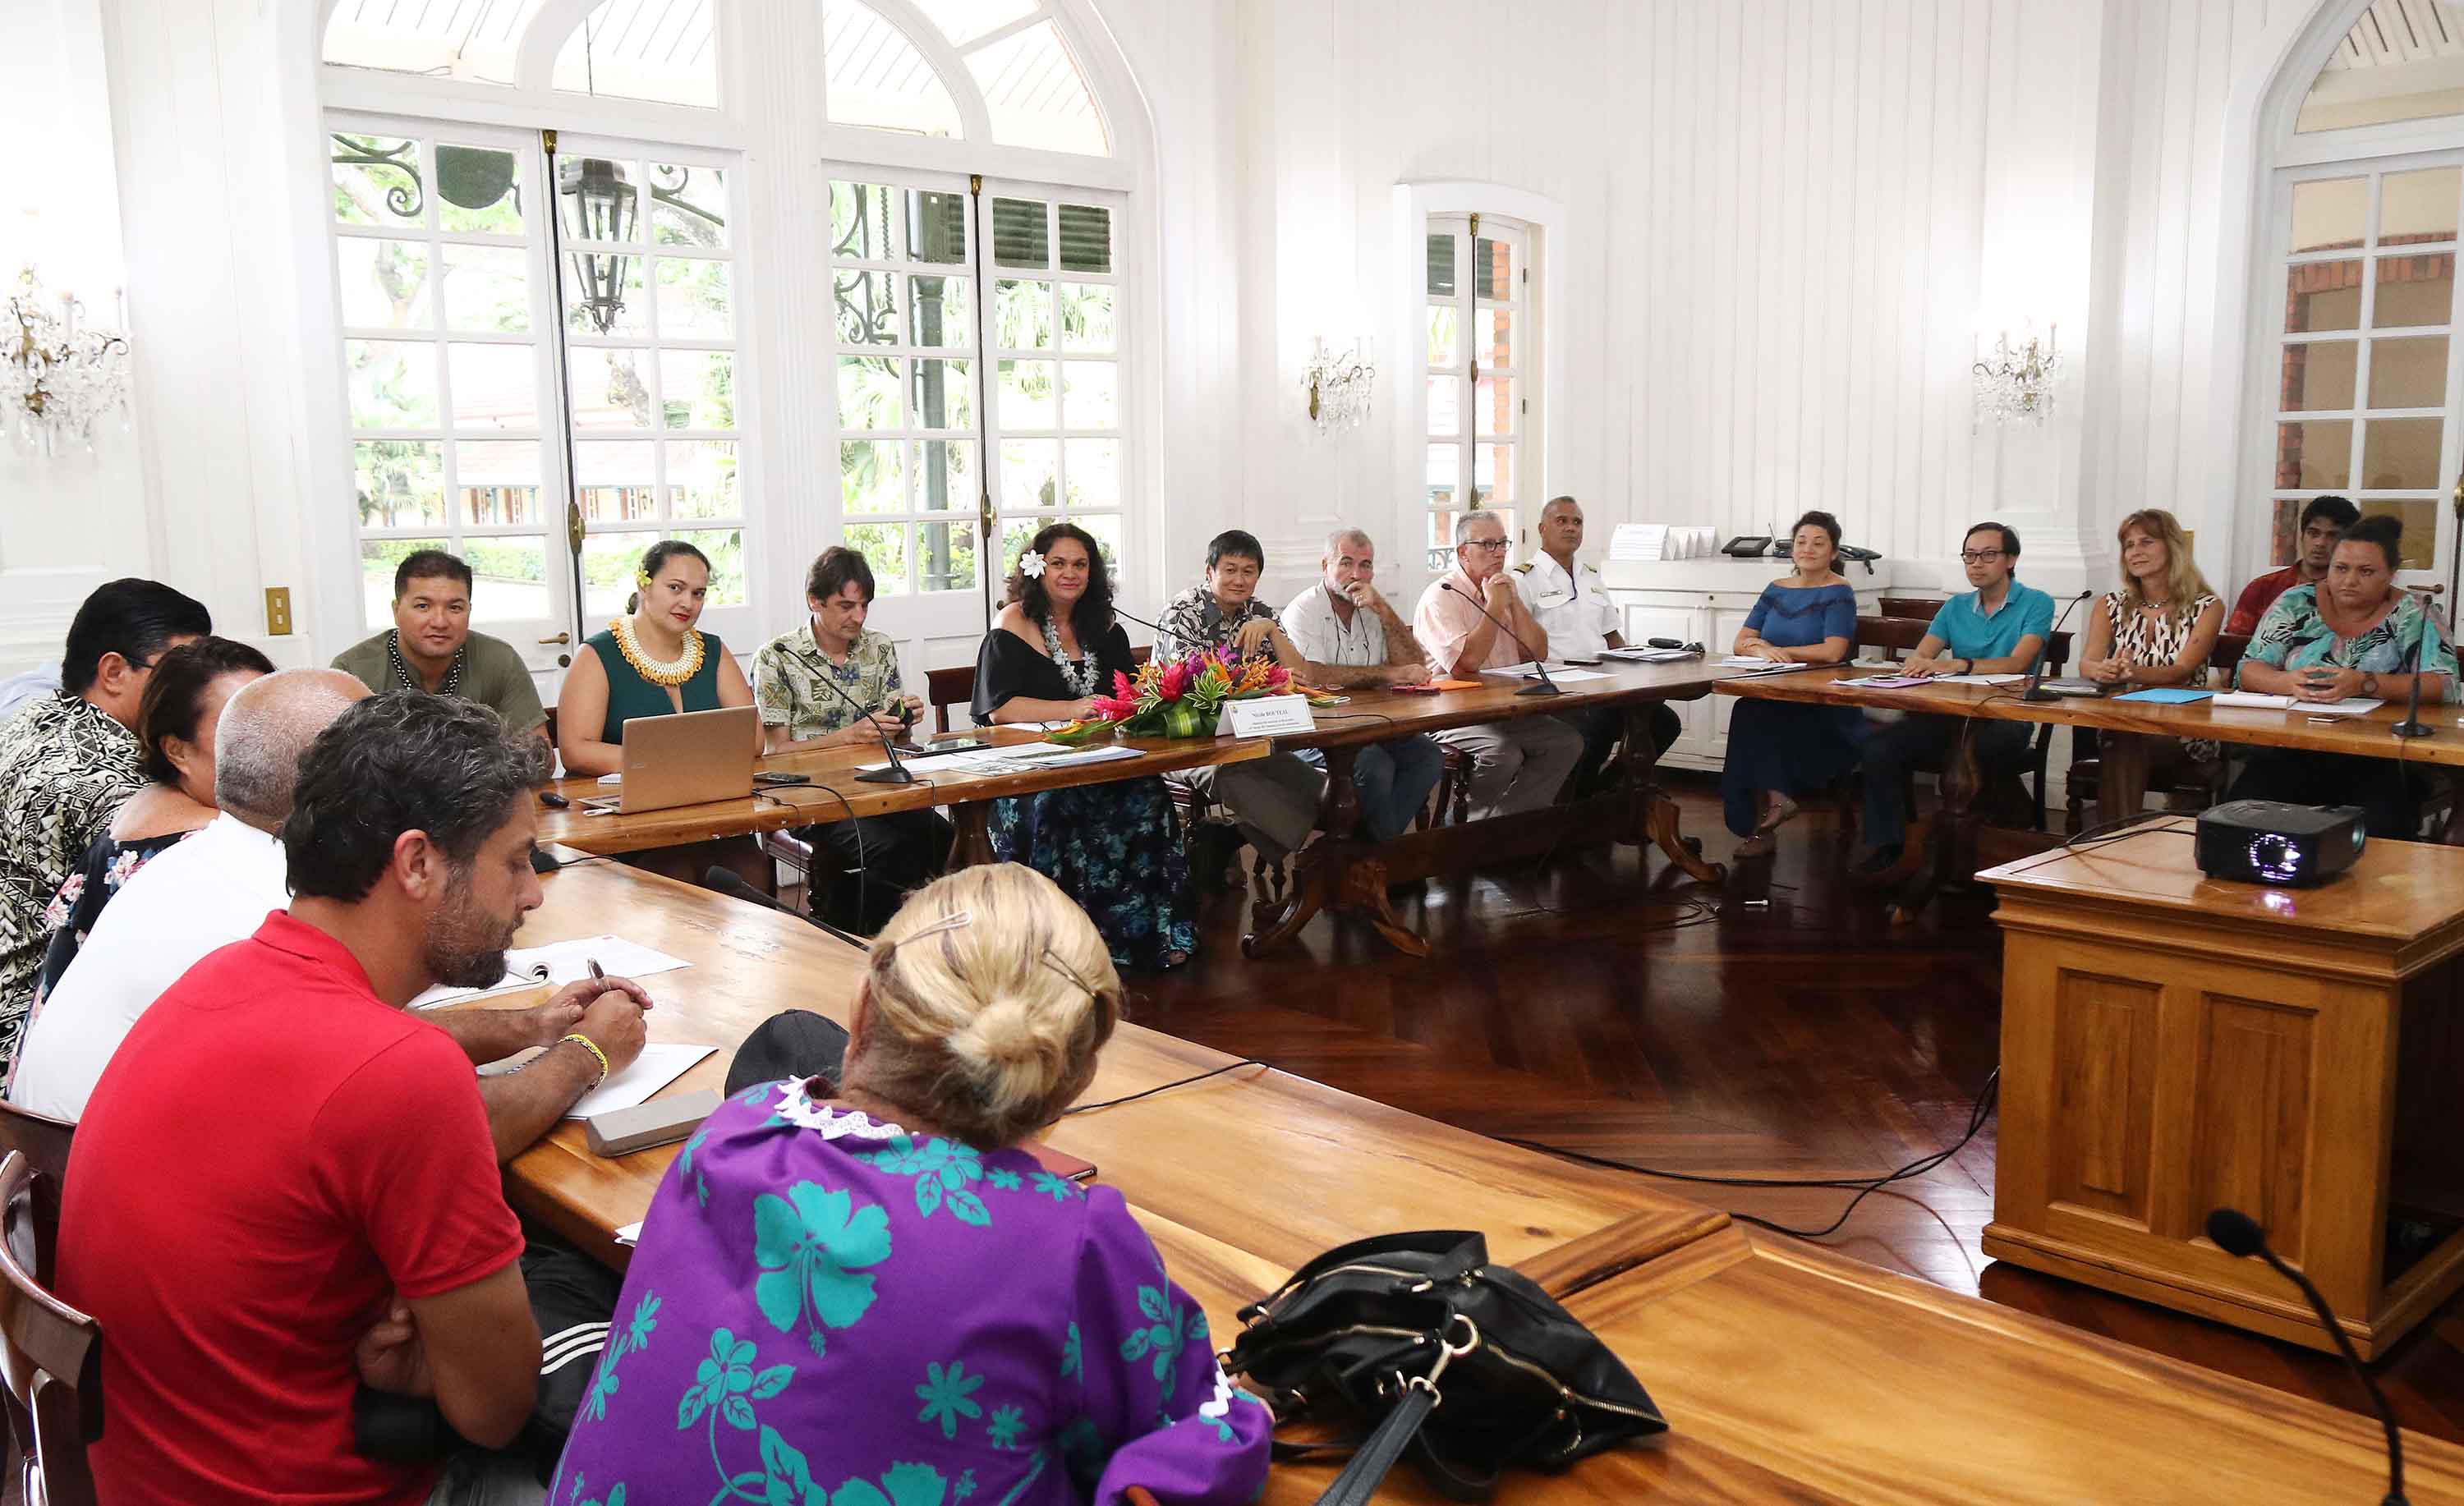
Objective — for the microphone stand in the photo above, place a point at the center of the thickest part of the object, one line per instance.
(1547, 685)
(898, 772)
(2036, 690)
(2412, 726)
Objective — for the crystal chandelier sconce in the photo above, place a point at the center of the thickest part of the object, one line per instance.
(1338, 388)
(2017, 385)
(56, 380)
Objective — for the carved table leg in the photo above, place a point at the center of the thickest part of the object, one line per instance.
(971, 842)
(1658, 815)
(2121, 775)
(1339, 871)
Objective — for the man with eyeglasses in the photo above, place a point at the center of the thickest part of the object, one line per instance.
(1993, 629)
(1517, 765)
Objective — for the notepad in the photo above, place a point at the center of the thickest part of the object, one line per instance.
(559, 963)
(2166, 695)
(2350, 706)
(1978, 678)
(1887, 682)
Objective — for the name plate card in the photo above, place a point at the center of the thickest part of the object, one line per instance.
(1267, 716)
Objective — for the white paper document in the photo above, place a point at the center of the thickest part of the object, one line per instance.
(559, 963)
(2351, 705)
(1018, 757)
(631, 1234)
(1565, 673)
(657, 1067)
(1648, 656)
(1760, 666)
(1978, 678)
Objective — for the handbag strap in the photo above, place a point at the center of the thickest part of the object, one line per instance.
(1359, 1483)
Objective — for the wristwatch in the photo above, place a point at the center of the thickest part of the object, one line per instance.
(2370, 685)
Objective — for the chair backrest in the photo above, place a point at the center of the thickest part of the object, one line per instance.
(1916, 606)
(2226, 656)
(1898, 633)
(44, 1141)
(51, 1358)
(955, 686)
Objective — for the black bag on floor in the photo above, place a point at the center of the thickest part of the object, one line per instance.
(1469, 1368)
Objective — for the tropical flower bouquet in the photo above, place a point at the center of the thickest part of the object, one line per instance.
(1180, 699)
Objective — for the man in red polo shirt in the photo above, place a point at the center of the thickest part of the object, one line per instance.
(283, 1185)
(2323, 522)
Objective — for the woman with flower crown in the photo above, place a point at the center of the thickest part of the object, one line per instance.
(1110, 847)
(651, 662)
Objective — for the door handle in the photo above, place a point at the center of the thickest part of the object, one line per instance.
(560, 638)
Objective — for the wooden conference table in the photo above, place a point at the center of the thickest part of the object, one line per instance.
(1787, 1373)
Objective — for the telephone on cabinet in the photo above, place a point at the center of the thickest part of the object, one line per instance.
(1749, 546)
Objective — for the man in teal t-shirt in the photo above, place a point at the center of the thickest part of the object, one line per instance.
(1993, 629)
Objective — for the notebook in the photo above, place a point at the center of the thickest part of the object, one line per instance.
(2166, 695)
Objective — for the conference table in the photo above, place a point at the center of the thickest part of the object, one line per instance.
(1787, 1372)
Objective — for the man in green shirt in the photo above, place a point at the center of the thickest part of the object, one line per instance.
(430, 646)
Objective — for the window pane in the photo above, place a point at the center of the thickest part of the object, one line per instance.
(883, 547)
(697, 389)
(478, 189)
(1492, 405)
(385, 284)
(2323, 295)
(860, 221)
(1027, 470)
(688, 206)
(2318, 375)
(945, 474)
(1026, 394)
(617, 482)
(873, 77)
(630, 50)
(939, 313)
(1495, 328)
(1441, 265)
(611, 388)
(2329, 215)
(2417, 206)
(2313, 456)
(1090, 394)
(2399, 454)
(868, 391)
(1094, 473)
(937, 227)
(2390, 66)
(1019, 236)
(393, 383)
(487, 288)
(500, 483)
(2413, 290)
(1445, 473)
(945, 556)
(963, 21)
(702, 480)
(1086, 239)
(1492, 478)
(603, 295)
(378, 557)
(693, 299)
(1034, 94)
(2420, 518)
(725, 548)
(945, 394)
(1444, 335)
(1107, 529)
(868, 307)
(872, 476)
(2283, 531)
(1016, 535)
(495, 386)
(608, 562)
(1446, 405)
(401, 483)
(2409, 372)
(1492, 268)
(598, 199)
(1022, 315)
(376, 182)
(512, 578)
(1085, 316)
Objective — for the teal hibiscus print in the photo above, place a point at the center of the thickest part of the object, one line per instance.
(965, 1487)
(615, 1496)
(603, 1386)
(941, 1169)
(1003, 1178)
(1071, 1361)
(813, 1246)
(1004, 1427)
(1059, 1189)
(785, 1477)
(685, 1167)
(945, 1396)
(726, 1382)
(1167, 1332)
(901, 1485)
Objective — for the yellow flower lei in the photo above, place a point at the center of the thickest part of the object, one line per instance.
(651, 670)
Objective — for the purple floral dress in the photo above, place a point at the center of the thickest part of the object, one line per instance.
(824, 1311)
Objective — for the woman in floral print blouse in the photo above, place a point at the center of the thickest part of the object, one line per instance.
(868, 1296)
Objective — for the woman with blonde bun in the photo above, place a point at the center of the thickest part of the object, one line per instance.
(865, 1292)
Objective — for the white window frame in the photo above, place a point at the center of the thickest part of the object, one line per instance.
(1461, 376)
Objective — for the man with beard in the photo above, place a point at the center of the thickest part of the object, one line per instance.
(216, 887)
(283, 1187)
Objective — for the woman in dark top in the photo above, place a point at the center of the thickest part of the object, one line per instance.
(1778, 750)
(1110, 847)
(175, 722)
(651, 662)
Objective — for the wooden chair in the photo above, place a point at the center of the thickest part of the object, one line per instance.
(1902, 635)
(2188, 783)
(44, 1143)
(955, 686)
(50, 1359)
(1916, 608)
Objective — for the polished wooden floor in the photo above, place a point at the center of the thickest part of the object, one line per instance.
(1603, 1003)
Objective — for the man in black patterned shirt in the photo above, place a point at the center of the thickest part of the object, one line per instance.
(67, 761)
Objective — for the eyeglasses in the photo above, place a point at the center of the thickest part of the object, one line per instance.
(1981, 557)
(1497, 545)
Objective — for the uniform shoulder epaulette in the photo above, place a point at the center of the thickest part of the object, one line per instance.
(1525, 568)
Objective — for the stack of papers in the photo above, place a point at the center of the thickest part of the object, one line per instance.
(2351, 705)
(1562, 672)
(1018, 757)
(1647, 656)
(657, 1067)
(1639, 541)
(1979, 679)
(1764, 665)
(559, 963)
(1887, 682)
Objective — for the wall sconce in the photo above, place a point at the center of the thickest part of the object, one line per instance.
(56, 380)
(1338, 388)
(2016, 386)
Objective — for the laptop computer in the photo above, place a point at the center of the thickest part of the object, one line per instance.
(684, 759)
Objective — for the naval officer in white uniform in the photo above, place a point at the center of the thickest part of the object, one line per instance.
(1567, 599)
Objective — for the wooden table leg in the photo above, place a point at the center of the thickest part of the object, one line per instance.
(1952, 840)
(970, 841)
(1658, 815)
(1339, 872)
(2121, 775)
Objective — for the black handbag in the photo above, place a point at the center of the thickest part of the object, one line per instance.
(1466, 1366)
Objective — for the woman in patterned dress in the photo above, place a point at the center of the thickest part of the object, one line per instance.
(1110, 847)
(865, 1293)
(2160, 627)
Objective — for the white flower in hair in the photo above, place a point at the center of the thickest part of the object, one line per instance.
(1031, 565)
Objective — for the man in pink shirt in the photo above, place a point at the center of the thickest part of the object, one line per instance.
(1517, 765)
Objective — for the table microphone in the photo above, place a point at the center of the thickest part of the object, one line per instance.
(2036, 690)
(2236, 1234)
(732, 884)
(898, 772)
(1547, 685)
